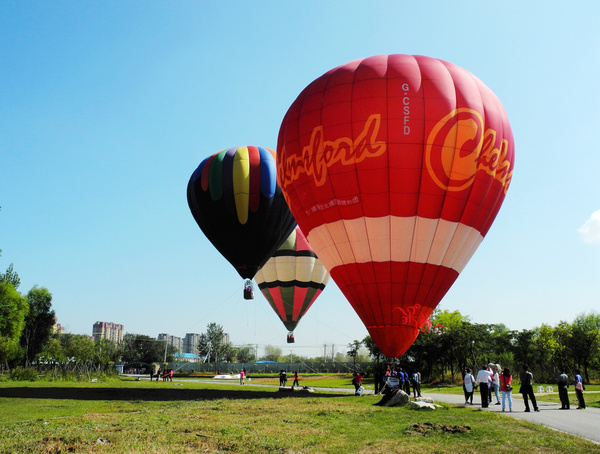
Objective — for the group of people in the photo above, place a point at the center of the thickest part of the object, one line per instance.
(283, 378)
(491, 380)
(563, 389)
(397, 377)
(166, 374)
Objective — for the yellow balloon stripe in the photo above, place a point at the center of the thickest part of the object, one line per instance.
(241, 183)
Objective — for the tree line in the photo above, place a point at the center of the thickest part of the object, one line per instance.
(453, 343)
(26, 321)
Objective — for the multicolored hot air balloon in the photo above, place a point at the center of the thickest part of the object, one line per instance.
(292, 280)
(395, 167)
(234, 198)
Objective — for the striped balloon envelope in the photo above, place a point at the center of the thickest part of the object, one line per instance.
(234, 198)
(395, 167)
(292, 279)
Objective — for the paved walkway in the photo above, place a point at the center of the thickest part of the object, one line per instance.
(583, 423)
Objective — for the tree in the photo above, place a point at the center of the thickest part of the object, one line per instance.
(78, 352)
(211, 344)
(353, 350)
(106, 352)
(139, 348)
(38, 324)
(245, 354)
(586, 341)
(271, 353)
(523, 348)
(54, 354)
(546, 348)
(11, 276)
(373, 349)
(13, 310)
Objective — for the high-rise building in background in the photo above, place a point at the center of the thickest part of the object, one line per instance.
(175, 341)
(190, 343)
(107, 330)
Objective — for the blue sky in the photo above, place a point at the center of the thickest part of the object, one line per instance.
(106, 108)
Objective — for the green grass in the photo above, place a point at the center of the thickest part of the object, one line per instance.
(124, 416)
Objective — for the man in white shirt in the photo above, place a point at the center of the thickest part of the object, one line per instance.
(482, 380)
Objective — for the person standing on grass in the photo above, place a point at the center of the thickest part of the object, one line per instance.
(416, 383)
(400, 375)
(563, 393)
(506, 388)
(579, 389)
(282, 377)
(296, 382)
(483, 376)
(242, 375)
(526, 389)
(377, 380)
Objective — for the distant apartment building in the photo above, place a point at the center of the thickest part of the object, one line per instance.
(176, 342)
(107, 330)
(190, 343)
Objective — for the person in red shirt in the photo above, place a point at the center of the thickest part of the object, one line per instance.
(506, 388)
(357, 381)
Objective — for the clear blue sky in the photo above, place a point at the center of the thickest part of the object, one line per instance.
(107, 107)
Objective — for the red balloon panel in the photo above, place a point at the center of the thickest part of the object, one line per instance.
(395, 167)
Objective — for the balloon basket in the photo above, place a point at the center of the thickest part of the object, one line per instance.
(290, 338)
(248, 290)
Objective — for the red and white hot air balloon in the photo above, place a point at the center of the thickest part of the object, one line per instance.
(292, 279)
(395, 167)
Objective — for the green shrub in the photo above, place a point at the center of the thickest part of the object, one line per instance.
(23, 374)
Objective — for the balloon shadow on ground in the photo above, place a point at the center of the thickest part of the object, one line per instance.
(150, 394)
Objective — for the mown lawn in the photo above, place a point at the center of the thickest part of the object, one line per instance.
(124, 416)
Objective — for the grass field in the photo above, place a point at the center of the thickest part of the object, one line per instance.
(126, 416)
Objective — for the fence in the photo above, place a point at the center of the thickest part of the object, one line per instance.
(266, 368)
